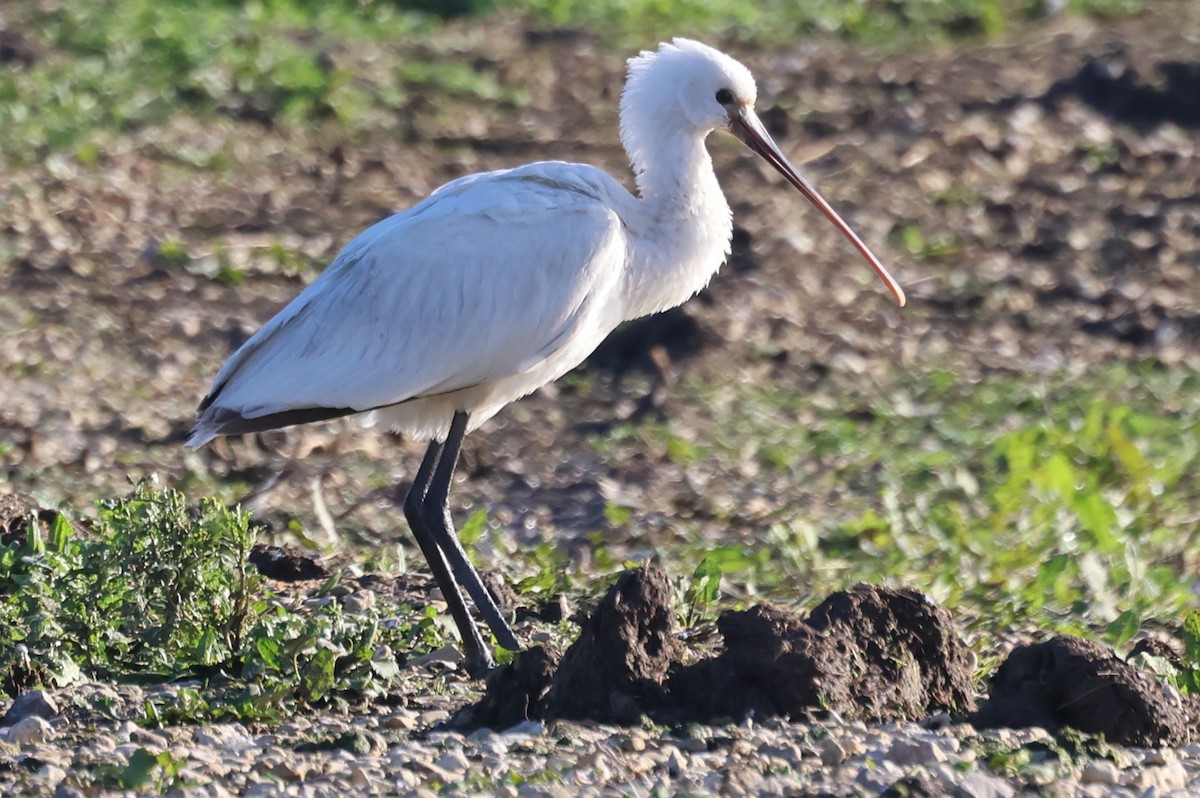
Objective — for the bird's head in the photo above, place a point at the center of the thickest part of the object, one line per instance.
(689, 85)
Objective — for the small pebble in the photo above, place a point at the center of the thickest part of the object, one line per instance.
(453, 762)
(359, 602)
(978, 784)
(290, 768)
(403, 720)
(1100, 772)
(67, 791)
(787, 751)
(635, 742)
(33, 704)
(431, 717)
(524, 729)
(30, 731)
(225, 735)
(1160, 756)
(1163, 778)
(676, 763)
(53, 775)
(360, 778)
(916, 752)
(831, 752)
(878, 776)
(149, 738)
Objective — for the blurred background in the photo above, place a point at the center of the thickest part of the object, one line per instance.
(1021, 440)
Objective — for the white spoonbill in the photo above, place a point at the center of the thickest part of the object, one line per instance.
(498, 283)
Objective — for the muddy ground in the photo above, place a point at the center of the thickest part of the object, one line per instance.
(1057, 171)
(1059, 167)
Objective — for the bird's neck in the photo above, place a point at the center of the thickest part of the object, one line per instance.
(671, 166)
(685, 225)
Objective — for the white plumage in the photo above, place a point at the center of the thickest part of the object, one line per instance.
(498, 283)
(473, 298)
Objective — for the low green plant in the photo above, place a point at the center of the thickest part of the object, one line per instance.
(146, 771)
(703, 592)
(1059, 502)
(157, 589)
(1187, 676)
(154, 588)
(920, 246)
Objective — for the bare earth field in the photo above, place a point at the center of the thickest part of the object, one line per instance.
(1037, 196)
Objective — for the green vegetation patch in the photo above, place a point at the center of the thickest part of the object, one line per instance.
(159, 590)
(1059, 503)
(118, 65)
(775, 22)
(111, 66)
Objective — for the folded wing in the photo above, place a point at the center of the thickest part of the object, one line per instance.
(482, 280)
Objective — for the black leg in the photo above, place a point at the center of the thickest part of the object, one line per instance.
(420, 485)
(436, 512)
(478, 657)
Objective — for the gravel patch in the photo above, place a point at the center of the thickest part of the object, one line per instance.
(379, 751)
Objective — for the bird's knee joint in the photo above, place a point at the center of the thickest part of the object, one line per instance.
(413, 507)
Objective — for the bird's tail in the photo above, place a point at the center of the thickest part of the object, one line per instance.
(201, 433)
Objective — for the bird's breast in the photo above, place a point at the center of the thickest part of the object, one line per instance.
(676, 258)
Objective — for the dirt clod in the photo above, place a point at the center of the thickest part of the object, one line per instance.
(905, 639)
(868, 653)
(1067, 681)
(514, 694)
(774, 664)
(617, 668)
(556, 609)
(285, 565)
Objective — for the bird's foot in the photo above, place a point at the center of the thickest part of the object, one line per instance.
(479, 664)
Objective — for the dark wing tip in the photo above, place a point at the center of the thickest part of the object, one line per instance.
(223, 421)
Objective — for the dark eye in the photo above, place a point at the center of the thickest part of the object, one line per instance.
(724, 96)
